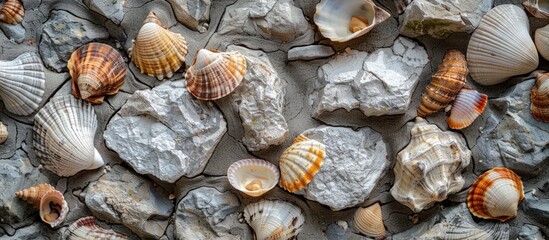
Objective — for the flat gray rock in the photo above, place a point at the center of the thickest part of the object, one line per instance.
(530, 232)
(536, 205)
(111, 9)
(194, 14)
(310, 52)
(15, 33)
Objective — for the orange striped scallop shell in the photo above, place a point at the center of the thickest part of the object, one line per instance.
(300, 162)
(469, 104)
(539, 98)
(12, 12)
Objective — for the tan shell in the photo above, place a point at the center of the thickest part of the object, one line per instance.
(300, 162)
(86, 229)
(369, 221)
(539, 98)
(33, 195)
(273, 220)
(538, 8)
(467, 106)
(3, 133)
(53, 208)
(541, 38)
(12, 12)
(254, 177)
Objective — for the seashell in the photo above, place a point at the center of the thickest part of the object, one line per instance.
(501, 46)
(496, 194)
(97, 70)
(469, 104)
(215, 74)
(541, 38)
(53, 208)
(401, 5)
(157, 51)
(22, 83)
(3, 133)
(254, 177)
(300, 162)
(369, 221)
(64, 130)
(429, 168)
(450, 77)
(538, 8)
(336, 19)
(12, 12)
(274, 219)
(86, 229)
(33, 195)
(539, 98)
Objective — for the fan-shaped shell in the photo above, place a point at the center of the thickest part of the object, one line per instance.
(469, 104)
(215, 74)
(369, 221)
(33, 195)
(3, 133)
(253, 177)
(496, 194)
(22, 83)
(501, 46)
(86, 229)
(538, 8)
(274, 219)
(53, 208)
(97, 70)
(539, 98)
(157, 51)
(64, 130)
(450, 77)
(12, 12)
(300, 162)
(541, 38)
(343, 20)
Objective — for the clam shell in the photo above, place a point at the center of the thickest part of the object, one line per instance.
(469, 104)
(369, 221)
(496, 194)
(538, 8)
(157, 51)
(97, 70)
(501, 46)
(33, 195)
(86, 229)
(22, 83)
(274, 219)
(333, 18)
(254, 177)
(12, 12)
(539, 98)
(215, 74)
(300, 162)
(3, 133)
(64, 130)
(541, 38)
(53, 208)
(401, 5)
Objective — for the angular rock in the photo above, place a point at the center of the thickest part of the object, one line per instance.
(111, 9)
(37, 231)
(166, 132)
(536, 205)
(310, 52)
(530, 232)
(195, 14)
(15, 33)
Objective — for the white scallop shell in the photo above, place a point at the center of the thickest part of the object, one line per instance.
(541, 37)
(63, 136)
(53, 202)
(274, 219)
(22, 83)
(254, 177)
(3, 133)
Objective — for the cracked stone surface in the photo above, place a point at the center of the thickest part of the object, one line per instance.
(195, 14)
(111, 9)
(530, 232)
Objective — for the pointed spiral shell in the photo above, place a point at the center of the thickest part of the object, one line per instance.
(33, 195)
(12, 12)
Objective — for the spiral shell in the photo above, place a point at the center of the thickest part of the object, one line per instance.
(469, 104)
(86, 229)
(12, 12)
(274, 219)
(33, 195)
(253, 177)
(539, 98)
(541, 38)
(369, 221)
(300, 162)
(53, 208)
(538, 8)
(3, 133)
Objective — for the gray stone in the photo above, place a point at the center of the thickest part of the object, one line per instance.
(536, 206)
(36, 231)
(195, 14)
(111, 9)
(15, 33)
(341, 230)
(310, 52)
(530, 232)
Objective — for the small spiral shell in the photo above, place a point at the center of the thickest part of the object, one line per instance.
(12, 12)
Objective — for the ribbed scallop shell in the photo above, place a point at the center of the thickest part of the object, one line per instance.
(539, 98)
(501, 46)
(538, 8)
(86, 229)
(97, 70)
(157, 51)
(541, 38)
(64, 130)
(215, 74)
(3, 133)
(254, 177)
(53, 208)
(22, 83)
(33, 195)
(369, 221)
(469, 104)
(300, 162)
(496, 195)
(274, 219)
(445, 84)
(401, 5)
(12, 12)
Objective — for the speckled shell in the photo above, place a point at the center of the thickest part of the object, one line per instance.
(496, 195)
(401, 5)
(254, 177)
(3, 133)
(157, 51)
(469, 104)
(539, 98)
(22, 83)
(450, 77)
(541, 38)
(215, 74)
(429, 168)
(53, 208)
(33, 195)
(64, 131)
(86, 229)
(274, 219)
(369, 221)
(538, 8)
(97, 70)
(12, 12)
(501, 46)
(300, 162)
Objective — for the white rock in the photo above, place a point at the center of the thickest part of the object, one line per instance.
(310, 52)
(195, 14)
(111, 9)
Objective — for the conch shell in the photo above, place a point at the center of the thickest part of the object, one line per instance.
(53, 208)
(538, 8)
(86, 228)
(33, 195)
(12, 12)
(541, 38)
(539, 98)
(274, 219)
(3, 133)
(469, 104)
(369, 221)
(254, 177)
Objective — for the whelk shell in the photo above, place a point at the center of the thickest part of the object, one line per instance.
(369, 221)
(274, 219)
(538, 8)
(300, 162)
(253, 177)
(53, 208)
(33, 195)
(86, 229)
(469, 104)
(12, 12)
(539, 98)
(3, 133)
(541, 38)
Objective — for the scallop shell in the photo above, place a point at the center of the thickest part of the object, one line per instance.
(450, 77)
(53, 208)
(86, 229)
(369, 221)
(538, 8)
(97, 70)
(22, 83)
(3, 133)
(63, 136)
(429, 168)
(12, 12)
(539, 98)
(401, 5)
(501, 46)
(254, 177)
(333, 18)
(300, 162)
(469, 104)
(33, 195)
(215, 74)
(541, 38)
(496, 194)
(157, 51)
(274, 219)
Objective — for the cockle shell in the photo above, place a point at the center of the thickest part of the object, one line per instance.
(538, 8)
(86, 229)
(3, 133)
(541, 38)
(254, 177)
(333, 18)
(369, 221)
(450, 77)
(64, 130)
(496, 194)
(157, 51)
(501, 46)
(97, 70)
(401, 5)
(467, 106)
(429, 168)
(214, 74)
(274, 219)
(33, 195)
(53, 208)
(22, 83)
(300, 162)
(539, 98)
(12, 12)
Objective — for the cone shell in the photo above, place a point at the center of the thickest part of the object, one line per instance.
(12, 12)
(157, 51)
(215, 74)
(254, 177)
(300, 162)
(3, 133)
(274, 219)
(86, 229)
(22, 83)
(539, 98)
(450, 77)
(541, 38)
(469, 104)
(64, 131)
(97, 70)
(33, 195)
(496, 195)
(501, 46)
(538, 8)
(53, 208)
(369, 221)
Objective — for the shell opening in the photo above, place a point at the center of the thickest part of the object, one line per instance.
(358, 23)
(254, 185)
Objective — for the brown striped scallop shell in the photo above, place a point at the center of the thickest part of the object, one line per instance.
(85, 228)
(369, 221)
(539, 98)
(33, 195)
(12, 12)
